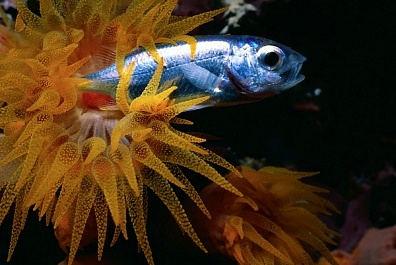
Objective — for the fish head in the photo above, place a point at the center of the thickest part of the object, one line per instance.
(260, 67)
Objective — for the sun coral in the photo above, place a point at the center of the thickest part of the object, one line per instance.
(60, 154)
(274, 222)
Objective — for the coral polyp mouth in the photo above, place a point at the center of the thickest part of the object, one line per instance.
(93, 122)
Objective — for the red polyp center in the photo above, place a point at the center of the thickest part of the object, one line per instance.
(95, 100)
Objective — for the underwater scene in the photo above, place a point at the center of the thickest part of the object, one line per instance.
(197, 132)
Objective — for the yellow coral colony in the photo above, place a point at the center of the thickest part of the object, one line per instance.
(60, 156)
(273, 223)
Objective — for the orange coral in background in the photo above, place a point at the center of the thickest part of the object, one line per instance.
(274, 222)
(58, 154)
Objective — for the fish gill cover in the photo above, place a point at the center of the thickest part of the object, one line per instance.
(60, 156)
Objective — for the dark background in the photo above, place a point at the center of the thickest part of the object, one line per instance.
(350, 53)
(348, 132)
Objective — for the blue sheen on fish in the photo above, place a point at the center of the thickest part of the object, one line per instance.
(230, 69)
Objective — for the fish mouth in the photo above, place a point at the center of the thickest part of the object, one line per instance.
(293, 73)
(299, 78)
(294, 76)
(291, 77)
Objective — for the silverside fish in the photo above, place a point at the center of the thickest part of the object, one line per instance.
(230, 69)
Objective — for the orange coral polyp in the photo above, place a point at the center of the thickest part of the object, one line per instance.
(59, 155)
(273, 223)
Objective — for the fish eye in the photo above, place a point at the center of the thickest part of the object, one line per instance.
(271, 57)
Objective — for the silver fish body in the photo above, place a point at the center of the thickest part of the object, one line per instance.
(231, 69)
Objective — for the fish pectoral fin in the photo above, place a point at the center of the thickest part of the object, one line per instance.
(200, 77)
